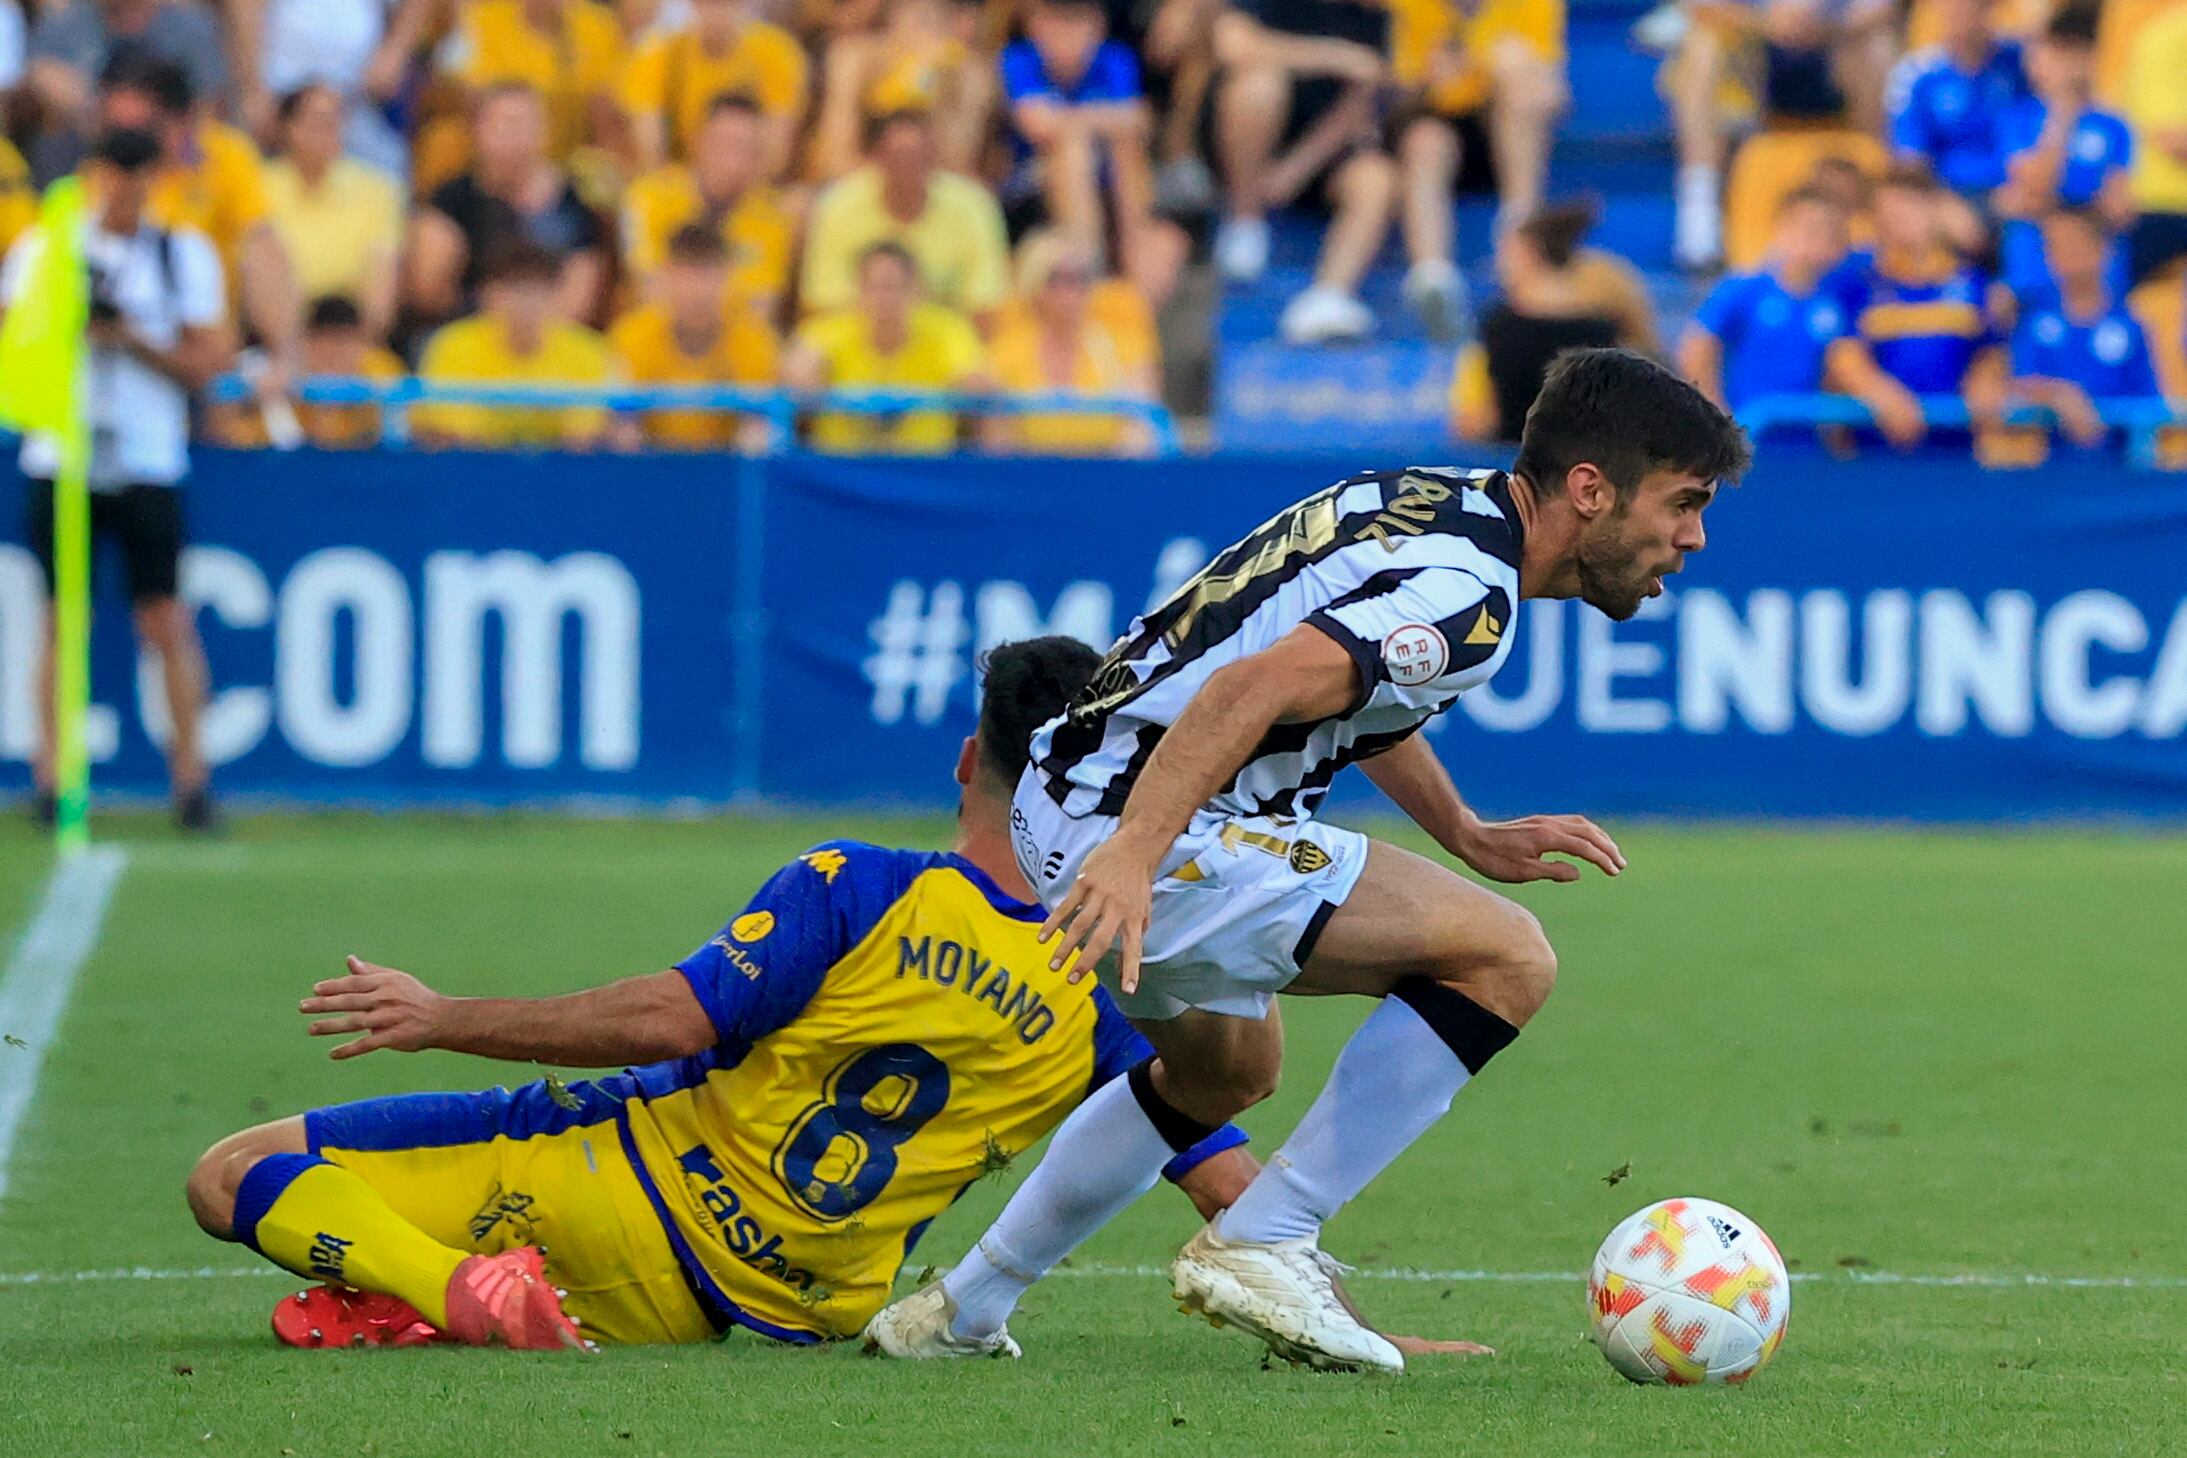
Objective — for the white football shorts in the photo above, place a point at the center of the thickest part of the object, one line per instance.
(1237, 908)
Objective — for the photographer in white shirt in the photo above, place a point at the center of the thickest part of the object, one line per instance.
(158, 333)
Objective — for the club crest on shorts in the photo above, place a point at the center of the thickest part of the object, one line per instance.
(1415, 654)
(1307, 858)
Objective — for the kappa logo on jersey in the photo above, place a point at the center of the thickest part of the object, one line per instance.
(829, 863)
(1415, 654)
(753, 926)
(1307, 858)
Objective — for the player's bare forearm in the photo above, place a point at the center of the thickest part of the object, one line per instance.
(636, 1020)
(1304, 677)
(1413, 776)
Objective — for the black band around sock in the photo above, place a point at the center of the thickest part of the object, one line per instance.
(1179, 1131)
(1468, 1029)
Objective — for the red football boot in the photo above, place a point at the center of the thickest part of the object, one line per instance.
(336, 1316)
(504, 1300)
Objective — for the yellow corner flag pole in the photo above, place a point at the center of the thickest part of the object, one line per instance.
(43, 363)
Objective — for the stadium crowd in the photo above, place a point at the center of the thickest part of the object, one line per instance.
(1984, 199)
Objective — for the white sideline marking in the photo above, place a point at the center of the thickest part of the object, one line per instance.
(1993, 1280)
(41, 971)
(1987, 1280)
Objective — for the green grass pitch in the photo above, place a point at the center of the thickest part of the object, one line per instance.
(1904, 1054)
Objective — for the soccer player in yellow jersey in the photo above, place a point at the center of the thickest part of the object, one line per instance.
(876, 1030)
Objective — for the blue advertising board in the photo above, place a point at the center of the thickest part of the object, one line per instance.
(1905, 640)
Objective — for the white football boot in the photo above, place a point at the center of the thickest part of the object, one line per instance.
(917, 1328)
(1285, 1294)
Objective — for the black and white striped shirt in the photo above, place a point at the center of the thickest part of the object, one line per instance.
(1414, 572)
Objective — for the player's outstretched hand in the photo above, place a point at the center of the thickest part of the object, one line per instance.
(1106, 909)
(392, 1009)
(1412, 1346)
(1517, 850)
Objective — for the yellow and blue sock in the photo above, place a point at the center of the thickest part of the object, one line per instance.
(326, 1224)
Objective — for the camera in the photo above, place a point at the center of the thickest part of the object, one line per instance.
(105, 307)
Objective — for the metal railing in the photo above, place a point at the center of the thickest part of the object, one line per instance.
(779, 408)
(2142, 421)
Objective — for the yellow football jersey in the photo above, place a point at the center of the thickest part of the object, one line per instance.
(891, 1031)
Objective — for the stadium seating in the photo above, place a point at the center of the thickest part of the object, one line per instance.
(1223, 346)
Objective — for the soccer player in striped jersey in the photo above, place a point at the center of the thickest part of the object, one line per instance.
(1166, 821)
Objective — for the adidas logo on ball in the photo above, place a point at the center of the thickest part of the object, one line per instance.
(1725, 1232)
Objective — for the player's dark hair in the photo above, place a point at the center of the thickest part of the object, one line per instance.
(2074, 25)
(1027, 683)
(1627, 416)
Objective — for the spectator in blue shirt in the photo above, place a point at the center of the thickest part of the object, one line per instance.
(1922, 316)
(2060, 149)
(1948, 103)
(1783, 329)
(2076, 347)
(1079, 127)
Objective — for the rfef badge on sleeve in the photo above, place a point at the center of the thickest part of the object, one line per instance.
(1415, 654)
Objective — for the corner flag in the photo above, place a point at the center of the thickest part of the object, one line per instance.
(42, 372)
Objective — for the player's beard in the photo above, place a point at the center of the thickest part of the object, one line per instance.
(1610, 574)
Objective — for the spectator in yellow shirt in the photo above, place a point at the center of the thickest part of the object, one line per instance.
(890, 340)
(688, 336)
(1058, 345)
(671, 79)
(569, 51)
(340, 220)
(923, 56)
(213, 181)
(949, 225)
(722, 188)
(18, 198)
(2156, 106)
(519, 338)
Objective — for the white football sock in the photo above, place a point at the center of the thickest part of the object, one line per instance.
(1106, 1155)
(1393, 1080)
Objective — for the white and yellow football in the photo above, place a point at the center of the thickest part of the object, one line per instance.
(1686, 1292)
